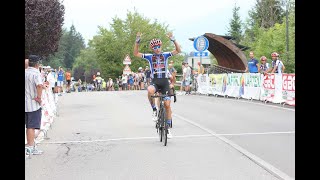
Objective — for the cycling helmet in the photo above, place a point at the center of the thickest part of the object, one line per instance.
(155, 42)
(274, 54)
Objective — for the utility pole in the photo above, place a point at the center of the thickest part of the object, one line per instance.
(287, 30)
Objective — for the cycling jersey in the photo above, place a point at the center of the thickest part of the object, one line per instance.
(158, 64)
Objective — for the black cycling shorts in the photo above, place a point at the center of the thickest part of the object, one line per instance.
(161, 85)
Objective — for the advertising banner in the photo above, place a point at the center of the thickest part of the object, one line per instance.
(233, 84)
(268, 87)
(203, 83)
(218, 84)
(252, 85)
(288, 88)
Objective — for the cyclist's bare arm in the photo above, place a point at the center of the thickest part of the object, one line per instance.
(136, 46)
(178, 49)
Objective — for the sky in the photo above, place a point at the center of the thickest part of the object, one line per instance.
(186, 18)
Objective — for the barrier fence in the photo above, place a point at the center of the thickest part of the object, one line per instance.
(275, 88)
(49, 112)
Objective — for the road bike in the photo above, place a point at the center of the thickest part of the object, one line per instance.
(161, 124)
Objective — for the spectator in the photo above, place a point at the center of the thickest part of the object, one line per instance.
(147, 75)
(94, 80)
(182, 86)
(136, 85)
(110, 85)
(264, 66)
(79, 85)
(130, 82)
(51, 80)
(60, 79)
(68, 79)
(187, 77)
(33, 93)
(124, 82)
(142, 78)
(277, 64)
(253, 64)
(200, 68)
(120, 83)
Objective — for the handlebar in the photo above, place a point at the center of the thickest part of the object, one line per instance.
(165, 95)
(162, 95)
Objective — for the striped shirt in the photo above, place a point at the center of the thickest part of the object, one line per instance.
(158, 64)
(32, 79)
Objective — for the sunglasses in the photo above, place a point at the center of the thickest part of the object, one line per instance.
(156, 47)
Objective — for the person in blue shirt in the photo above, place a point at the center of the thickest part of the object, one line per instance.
(253, 64)
(60, 79)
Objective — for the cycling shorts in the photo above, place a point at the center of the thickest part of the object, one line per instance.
(161, 85)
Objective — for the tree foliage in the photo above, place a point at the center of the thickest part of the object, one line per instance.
(43, 26)
(235, 29)
(70, 45)
(112, 45)
(73, 44)
(86, 65)
(263, 41)
(266, 13)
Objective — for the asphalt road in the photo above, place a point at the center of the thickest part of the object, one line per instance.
(110, 135)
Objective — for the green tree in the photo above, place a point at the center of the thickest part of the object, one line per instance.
(86, 65)
(73, 44)
(43, 26)
(112, 45)
(57, 59)
(235, 30)
(266, 13)
(70, 45)
(268, 40)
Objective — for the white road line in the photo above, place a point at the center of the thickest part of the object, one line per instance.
(273, 170)
(155, 137)
(99, 140)
(263, 133)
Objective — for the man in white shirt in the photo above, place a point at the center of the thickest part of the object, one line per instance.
(33, 92)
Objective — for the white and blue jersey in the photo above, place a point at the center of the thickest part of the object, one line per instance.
(158, 64)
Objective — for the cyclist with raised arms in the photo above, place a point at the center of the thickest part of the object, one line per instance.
(158, 63)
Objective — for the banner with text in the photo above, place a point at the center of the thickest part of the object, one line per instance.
(288, 88)
(276, 88)
(252, 85)
(203, 83)
(233, 85)
(218, 84)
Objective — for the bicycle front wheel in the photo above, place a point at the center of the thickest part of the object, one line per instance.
(165, 128)
(160, 125)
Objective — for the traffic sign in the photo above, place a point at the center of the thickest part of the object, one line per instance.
(201, 54)
(126, 69)
(127, 60)
(201, 43)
